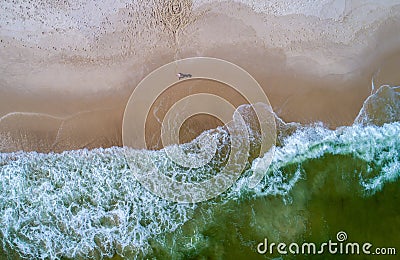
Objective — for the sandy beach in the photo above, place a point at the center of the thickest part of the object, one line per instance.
(65, 81)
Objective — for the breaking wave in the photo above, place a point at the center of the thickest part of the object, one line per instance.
(87, 203)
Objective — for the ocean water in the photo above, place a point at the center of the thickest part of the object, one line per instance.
(87, 203)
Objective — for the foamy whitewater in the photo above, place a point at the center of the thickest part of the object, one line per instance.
(88, 203)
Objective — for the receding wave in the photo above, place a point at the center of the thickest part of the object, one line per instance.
(24, 131)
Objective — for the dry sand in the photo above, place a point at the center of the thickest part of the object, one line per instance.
(66, 72)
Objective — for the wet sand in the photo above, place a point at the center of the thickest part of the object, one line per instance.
(65, 88)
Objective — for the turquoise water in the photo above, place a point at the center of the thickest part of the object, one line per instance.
(87, 204)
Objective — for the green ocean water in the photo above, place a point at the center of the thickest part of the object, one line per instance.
(88, 205)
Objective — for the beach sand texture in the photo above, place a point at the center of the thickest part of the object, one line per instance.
(67, 69)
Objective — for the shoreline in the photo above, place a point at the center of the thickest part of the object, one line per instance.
(307, 77)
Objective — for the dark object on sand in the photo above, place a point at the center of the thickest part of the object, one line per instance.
(183, 75)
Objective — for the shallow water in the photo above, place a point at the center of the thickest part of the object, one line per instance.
(81, 204)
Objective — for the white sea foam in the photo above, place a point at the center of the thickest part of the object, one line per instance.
(82, 203)
(377, 146)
